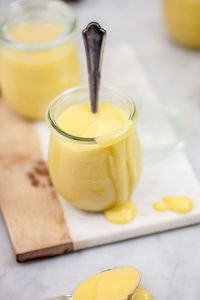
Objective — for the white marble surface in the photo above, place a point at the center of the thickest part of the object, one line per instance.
(170, 174)
(169, 261)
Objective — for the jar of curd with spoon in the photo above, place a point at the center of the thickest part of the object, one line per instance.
(38, 55)
(95, 159)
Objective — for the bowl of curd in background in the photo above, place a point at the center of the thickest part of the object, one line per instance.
(39, 57)
(182, 18)
(95, 159)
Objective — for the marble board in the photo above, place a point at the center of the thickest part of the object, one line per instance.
(69, 229)
(171, 174)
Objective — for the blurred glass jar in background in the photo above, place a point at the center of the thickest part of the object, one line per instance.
(182, 19)
(38, 57)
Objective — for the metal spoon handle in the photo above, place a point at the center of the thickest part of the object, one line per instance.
(94, 40)
(66, 297)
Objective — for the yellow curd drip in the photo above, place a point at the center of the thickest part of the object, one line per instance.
(121, 213)
(178, 204)
(101, 176)
(31, 79)
(116, 284)
(141, 294)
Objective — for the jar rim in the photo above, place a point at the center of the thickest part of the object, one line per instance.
(57, 6)
(56, 102)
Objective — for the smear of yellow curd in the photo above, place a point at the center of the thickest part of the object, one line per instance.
(178, 204)
(100, 176)
(31, 79)
(116, 284)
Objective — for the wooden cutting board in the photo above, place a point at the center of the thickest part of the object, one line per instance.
(29, 204)
(41, 224)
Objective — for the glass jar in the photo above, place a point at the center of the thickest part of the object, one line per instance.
(182, 18)
(94, 175)
(38, 57)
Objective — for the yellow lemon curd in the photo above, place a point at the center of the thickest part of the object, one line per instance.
(116, 284)
(182, 18)
(178, 204)
(101, 176)
(31, 79)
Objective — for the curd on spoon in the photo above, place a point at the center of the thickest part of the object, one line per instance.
(120, 283)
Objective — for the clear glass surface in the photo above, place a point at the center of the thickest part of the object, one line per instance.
(162, 129)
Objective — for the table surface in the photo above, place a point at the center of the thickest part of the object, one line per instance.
(169, 261)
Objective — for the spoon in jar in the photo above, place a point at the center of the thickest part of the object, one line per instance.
(94, 37)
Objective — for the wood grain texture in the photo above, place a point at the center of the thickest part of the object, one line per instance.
(28, 200)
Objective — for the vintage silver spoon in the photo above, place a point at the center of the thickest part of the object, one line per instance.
(94, 37)
(69, 297)
(66, 297)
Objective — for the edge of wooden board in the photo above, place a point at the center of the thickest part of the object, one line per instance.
(30, 206)
(46, 252)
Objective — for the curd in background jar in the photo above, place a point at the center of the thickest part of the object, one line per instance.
(38, 58)
(94, 159)
(182, 18)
